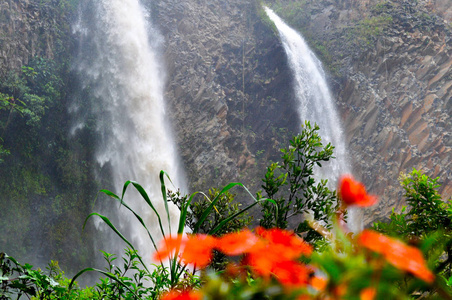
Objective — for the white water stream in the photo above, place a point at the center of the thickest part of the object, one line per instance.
(121, 65)
(316, 104)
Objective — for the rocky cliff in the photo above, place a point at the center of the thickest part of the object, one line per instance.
(28, 29)
(391, 62)
(229, 88)
(390, 69)
(229, 91)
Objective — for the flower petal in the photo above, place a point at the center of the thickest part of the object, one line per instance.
(400, 255)
(238, 242)
(198, 250)
(353, 192)
(168, 246)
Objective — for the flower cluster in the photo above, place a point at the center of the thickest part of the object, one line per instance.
(398, 254)
(268, 252)
(274, 255)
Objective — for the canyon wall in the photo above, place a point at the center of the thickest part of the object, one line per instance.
(28, 29)
(229, 89)
(391, 61)
(390, 70)
(230, 98)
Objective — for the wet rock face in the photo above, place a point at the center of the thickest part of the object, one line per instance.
(442, 7)
(395, 93)
(228, 88)
(27, 29)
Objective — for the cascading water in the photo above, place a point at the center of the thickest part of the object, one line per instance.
(315, 102)
(119, 64)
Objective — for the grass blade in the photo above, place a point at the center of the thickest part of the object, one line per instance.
(146, 198)
(134, 213)
(212, 204)
(107, 221)
(165, 199)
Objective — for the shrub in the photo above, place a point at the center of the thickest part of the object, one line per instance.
(291, 184)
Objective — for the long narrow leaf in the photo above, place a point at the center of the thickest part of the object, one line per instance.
(184, 210)
(107, 221)
(143, 194)
(134, 213)
(212, 204)
(146, 198)
(164, 196)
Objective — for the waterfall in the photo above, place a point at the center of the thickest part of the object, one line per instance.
(119, 63)
(315, 103)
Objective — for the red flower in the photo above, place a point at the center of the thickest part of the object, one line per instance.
(277, 256)
(168, 246)
(238, 242)
(198, 250)
(289, 245)
(291, 273)
(398, 254)
(353, 192)
(368, 293)
(195, 249)
(182, 295)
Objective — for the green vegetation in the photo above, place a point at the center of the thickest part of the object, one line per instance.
(292, 185)
(426, 220)
(42, 174)
(46, 175)
(366, 33)
(225, 207)
(291, 191)
(345, 260)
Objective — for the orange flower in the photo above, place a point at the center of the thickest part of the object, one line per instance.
(291, 273)
(182, 295)
(262, 262)
(277, 255)
(237, 243)
(289, 245)
(368, 294)
(398, 254)
(195, 249)
(198, 250)
(374, 241)
(168, 246)
(318, 283)
(353, 192)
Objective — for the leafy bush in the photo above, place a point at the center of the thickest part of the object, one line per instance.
(427, 219)
(292, 186)
(225, 207)
(17, 280)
